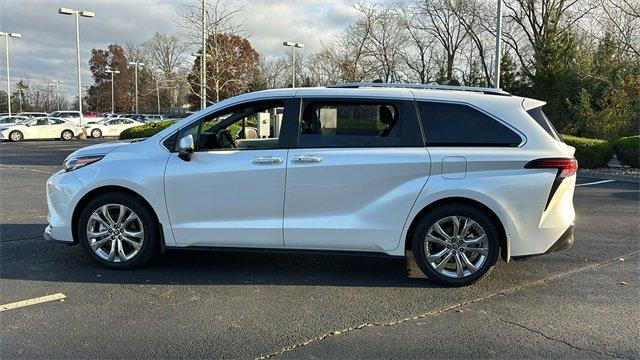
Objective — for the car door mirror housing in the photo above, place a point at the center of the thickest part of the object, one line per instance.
(186, 147)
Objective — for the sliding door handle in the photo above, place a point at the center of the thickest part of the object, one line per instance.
(267, 160)
(307, 158)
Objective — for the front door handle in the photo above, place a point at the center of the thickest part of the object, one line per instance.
(267, 160)
(307, 158)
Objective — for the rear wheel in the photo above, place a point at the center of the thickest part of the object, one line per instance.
(66, 135)
(16, 136)
(96, 133)
(118, 231)
(455, 245)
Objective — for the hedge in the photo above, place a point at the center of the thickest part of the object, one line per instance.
(591, 153)
(146, 130)
(628, 150)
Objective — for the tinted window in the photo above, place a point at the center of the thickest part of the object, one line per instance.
(350, 124)
(461, 125)
(541, 118)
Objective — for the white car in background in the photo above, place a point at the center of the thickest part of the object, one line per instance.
(40, 128)
(10, 120)
(111, 127)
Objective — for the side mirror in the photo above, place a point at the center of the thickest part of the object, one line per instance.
(186, 147)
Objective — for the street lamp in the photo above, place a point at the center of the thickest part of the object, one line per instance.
(78, 13)
(57, 82)
(135, 65)
(293, 59)
(113, 106)
(203, 78)
(6, 49)
(498, 56)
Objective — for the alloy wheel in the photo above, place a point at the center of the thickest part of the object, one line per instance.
(115, 233)
(456, 246)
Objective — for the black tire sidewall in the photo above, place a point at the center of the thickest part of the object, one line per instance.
(66, 132)
(15, 132)
(448, 210)
(149, 223)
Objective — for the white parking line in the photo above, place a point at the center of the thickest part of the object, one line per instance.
(34, 301)
(595, 183)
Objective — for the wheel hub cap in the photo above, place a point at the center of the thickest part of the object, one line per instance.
(456, 246)
(115, 233)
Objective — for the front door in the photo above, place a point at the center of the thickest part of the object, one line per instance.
(37, 129)
(354, 176)
(231, 192)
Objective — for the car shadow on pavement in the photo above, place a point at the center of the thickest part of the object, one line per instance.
(30, 257)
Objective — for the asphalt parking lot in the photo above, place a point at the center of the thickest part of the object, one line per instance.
(580, 303)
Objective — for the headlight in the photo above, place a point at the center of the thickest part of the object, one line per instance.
(73, 163)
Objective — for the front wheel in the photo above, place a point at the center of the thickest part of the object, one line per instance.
(96, 133)
(16, 136)
(455, 245)
(118, 231)
(66, 135)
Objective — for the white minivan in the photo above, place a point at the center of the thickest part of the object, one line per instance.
(460, 176)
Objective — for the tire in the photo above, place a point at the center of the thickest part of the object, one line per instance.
(66, 135)
(481, 255)
(96, 133)
(16, 136)
(145, 226)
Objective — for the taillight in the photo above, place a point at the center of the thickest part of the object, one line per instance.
(566, 166)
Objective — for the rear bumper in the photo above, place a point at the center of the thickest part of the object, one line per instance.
(564, 242)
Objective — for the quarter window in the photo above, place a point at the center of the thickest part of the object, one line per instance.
(447, 124)
(350, 124)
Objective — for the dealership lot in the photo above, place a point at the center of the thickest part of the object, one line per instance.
(574, 304)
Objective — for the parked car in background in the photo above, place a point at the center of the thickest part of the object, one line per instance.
(460, 176)
(13, 119)
(112, 127)
(70, 115)
(33, 114)
(153, 117)
(40, 128)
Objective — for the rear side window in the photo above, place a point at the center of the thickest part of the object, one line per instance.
(350, 124)
(447, 124)
(539, 116)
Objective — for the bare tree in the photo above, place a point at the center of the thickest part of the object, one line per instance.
(418, 53)
(438, 18)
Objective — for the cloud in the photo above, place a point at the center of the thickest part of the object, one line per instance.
(47, 48)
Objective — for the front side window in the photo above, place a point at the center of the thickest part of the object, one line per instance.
(448, 124)
(39, 122)
(244, 127)
(350, 124)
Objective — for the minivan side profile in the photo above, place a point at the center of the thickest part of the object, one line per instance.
(458, 176)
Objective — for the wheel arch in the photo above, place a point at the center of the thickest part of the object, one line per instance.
(495, 219)
(104, 190)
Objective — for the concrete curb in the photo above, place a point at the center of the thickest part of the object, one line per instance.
(599, 174)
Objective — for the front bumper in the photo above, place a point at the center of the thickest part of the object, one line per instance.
(63, 192)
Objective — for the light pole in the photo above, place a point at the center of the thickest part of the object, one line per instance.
(57, 82)
(293, 59)
(113, 102)
(498, 56)
(78, 13)
(135, 65)
(6, 49)
(203, 79)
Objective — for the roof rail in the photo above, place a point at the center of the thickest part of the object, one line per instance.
(484, 90)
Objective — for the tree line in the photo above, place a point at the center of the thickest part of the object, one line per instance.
(580, 56)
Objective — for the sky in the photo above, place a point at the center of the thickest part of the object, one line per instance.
(47, 47)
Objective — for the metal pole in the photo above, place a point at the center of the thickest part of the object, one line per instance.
(83, 135)
(113, 107)
(203, 59)
(498, 56)
(58, 95)
(158, 95)
(293, 66)
(136, 80)
(6, 48)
